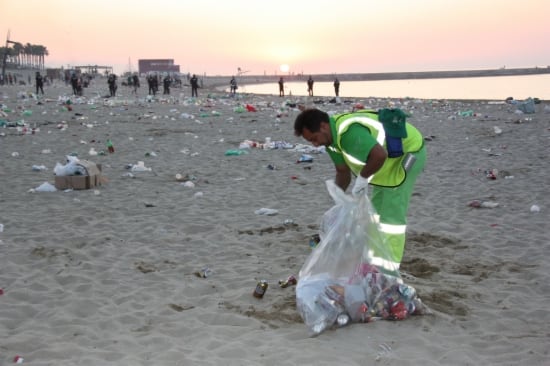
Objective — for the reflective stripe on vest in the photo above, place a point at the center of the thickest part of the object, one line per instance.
(370, 123)
(376, 129)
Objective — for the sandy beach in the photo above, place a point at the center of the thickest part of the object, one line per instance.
(108, 276)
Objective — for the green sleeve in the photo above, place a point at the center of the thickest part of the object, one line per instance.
(357, 141)
(337, 157)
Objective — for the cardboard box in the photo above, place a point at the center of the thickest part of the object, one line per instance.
(91, 180)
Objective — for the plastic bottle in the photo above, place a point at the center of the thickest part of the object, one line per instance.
(235, 152)
(305, 158)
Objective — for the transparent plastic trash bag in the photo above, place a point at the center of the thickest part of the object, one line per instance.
(348, 277)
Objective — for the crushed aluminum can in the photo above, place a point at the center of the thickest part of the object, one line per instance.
(343, 320)
(204, 272)
(290, 281)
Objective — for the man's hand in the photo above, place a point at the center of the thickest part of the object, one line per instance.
(360, 185)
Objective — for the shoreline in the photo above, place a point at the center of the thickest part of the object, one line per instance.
(259, 79)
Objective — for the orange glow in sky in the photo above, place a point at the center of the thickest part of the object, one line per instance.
(216, 37)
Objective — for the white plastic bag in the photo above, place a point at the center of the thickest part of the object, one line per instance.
(140, 167)
(348, 277)
(70, 168)
(45, 187)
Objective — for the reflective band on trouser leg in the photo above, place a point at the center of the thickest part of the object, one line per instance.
(389, 257)
(392, 205)
(378, 253)
(395, 242)
(386, 265)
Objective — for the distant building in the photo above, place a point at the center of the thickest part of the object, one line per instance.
(54, 74)
(161, 65)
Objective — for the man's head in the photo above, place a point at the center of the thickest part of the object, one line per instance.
(313, 125)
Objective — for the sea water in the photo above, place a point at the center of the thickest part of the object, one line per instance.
(491, 88)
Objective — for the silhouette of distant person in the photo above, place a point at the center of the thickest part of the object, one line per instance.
(310, 86)
(150, 84)
(194, 86)
(233, 85)
(74, 82)
(166, 85)
(111, 81)
(281, 87)
(39, 83)
(135, 83)
(153, 84)
(337, 87)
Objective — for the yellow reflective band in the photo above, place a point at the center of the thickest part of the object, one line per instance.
(368, 121)
(353, 159)
(393, 229)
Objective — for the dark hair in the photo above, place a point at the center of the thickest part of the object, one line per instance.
(310, 119)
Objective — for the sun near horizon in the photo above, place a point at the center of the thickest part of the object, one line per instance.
(284, 68)
(425, 35)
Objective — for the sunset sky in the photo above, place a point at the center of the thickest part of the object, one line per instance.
(217, 37)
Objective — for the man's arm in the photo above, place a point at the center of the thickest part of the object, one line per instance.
(343, 176)
(375, 160)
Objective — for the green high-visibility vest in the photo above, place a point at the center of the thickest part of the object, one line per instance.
(392, 173)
